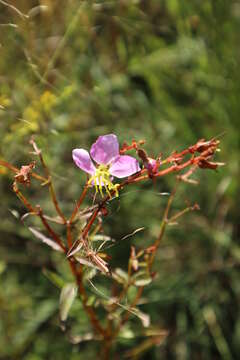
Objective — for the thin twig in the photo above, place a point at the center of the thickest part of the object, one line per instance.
(151, 259)
(38, 152)
(16, 170)
(69, 235)
(23, 199)
(54, 236)
(78, 204)
(162, 226)
(82, 292)
(38, 212)
(182, 212)
(10, 6)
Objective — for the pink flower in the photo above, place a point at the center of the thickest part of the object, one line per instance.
(105, 152)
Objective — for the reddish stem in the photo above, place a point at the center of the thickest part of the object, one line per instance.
(82, 292)
(74, 213)
(50, 230)
(16, 170)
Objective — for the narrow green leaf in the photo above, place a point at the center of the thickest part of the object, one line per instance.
(120, 276)
(54, 278)
(143, 281)
(45, 239)
(67, 297)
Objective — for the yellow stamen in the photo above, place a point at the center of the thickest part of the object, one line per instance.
(102, 178)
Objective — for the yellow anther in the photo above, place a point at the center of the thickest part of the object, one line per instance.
(102, 179)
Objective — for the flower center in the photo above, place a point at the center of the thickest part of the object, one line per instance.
(102, 179)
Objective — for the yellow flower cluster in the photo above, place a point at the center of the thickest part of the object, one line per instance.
(35, 114)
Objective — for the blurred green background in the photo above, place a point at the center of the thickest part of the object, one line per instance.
(162, 70)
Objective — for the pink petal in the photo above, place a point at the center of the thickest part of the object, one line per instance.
(105, 149)
(82, 159)
(124, 166)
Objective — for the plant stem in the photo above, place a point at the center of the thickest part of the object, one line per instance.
(162, 226)
(50, 230)
(82, 292)
(16, 170)
(38, 152)
(23, 199)
(83, 194)
(151, 259)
